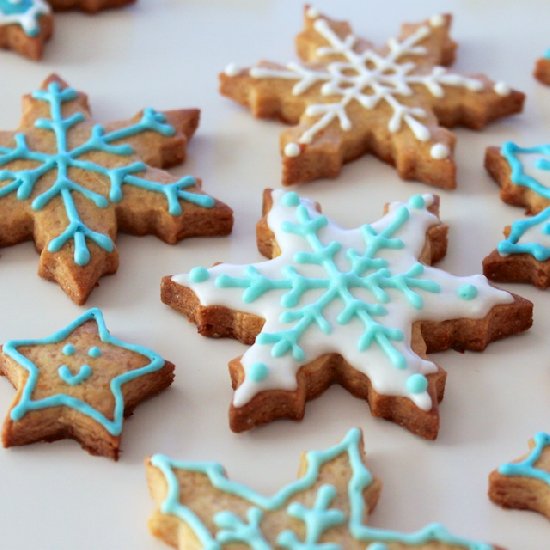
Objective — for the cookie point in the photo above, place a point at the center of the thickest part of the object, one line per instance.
(312, 12)
(258, 372)
(290, 199)
(292, 150)
(502, 89)
(439, 151)
(198, 275)
(231, 69)
(437, 20)
(417, 383)
(467, 292)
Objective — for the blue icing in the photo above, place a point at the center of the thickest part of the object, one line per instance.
(367, 271)
(24, 181)
(467, 292)
(258, 372)
(68, 349)
(546, 54)
(29, 12)
(526, 467)
(317, 520)
(94, 352)
(26, 402)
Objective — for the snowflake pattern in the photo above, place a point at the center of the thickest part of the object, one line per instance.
(325, 509)
(61, 174)
(400, 84)
(351, 292)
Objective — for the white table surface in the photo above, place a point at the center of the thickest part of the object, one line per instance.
(166, 54)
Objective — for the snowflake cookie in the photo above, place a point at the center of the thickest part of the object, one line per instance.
(542, 68)
(523, 174)
(327, 508)
(346, 98)
(79, 383)
(358, 307)
(25, 25)
(71, 185)
(525, 483)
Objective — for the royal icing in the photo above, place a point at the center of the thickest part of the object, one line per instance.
(349, 72)
(67, 161)
(26, 402)
(354, 292)
(25, 13)
(316, 518)
(527, 467)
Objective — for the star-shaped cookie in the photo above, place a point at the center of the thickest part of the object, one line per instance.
(79, 383)
(71, 185)
(26, 25)
(523, 174)
(346, 98)
(357, 307)
(327, 508)
(525, 483)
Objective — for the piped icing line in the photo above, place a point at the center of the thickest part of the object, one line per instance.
(26, 403)
(24, 182)
(375, 78)
(25, 13)
(527, 467)
(317, 520)
(354, 292)
(529, 236)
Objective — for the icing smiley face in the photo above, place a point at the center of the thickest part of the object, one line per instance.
(25, 13)
(83, 372)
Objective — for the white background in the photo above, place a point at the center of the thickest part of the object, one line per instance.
(166, 54)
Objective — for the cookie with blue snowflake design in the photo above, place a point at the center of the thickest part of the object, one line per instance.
(326, 508)
(79, 383)
(72, 184)
(358, 307)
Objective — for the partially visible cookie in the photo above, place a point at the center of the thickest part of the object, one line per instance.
(25, 26)
(346, 98)
(327, 508)
(79, 383)
(542, 68)
(357, 307)
(525, 483)
(89, 6)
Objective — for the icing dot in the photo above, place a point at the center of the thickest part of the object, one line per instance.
(258, 372)
(292, 150)
(467, 292)
(437, 20)
(68, 349)
(94, 352)
(377, 546)
(312, 12)
(501, 88)
(291, 199)
(417, 201)
(198, 275)
(417, 383)
(439, 151)
(232, 70)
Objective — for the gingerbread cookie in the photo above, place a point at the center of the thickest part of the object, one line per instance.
(79, 383)
(523, 174)
(327, 507)
(358, 307)
(71, 185)
(542, 68)
(525, 483)
(346, 98)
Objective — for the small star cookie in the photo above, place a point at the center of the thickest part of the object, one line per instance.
(358, 307)
(327, 508)
(79, 383)
(71, 185)
(525, 483)
(542, 68)
(346, 98)
(523, 174)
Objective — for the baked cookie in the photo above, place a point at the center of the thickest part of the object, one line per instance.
(523, 174)
(79, 383)
(71, 185)
(525, 483)
(358, 307)
(346, 98)
(25, 25)
(327, 507)
(542, 68)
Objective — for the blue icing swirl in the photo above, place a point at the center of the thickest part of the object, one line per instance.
(526, 467)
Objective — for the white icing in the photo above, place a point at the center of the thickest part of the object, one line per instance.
(385, 377)
(292, 150)
(437, 20)
(27, 19)
(232, 69)
(369, 78)
(502, 89)
(439, 151)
